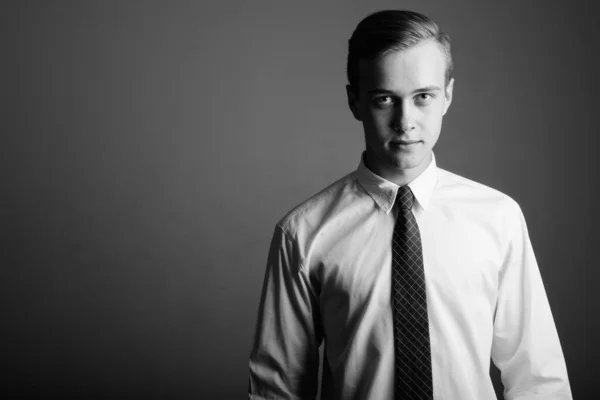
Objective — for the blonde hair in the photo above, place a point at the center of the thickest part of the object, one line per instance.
(392, 30)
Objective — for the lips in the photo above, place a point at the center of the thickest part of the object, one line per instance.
(404, 142)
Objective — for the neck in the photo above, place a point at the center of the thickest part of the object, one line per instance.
(399, 176)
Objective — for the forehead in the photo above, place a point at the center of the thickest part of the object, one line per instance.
(405, 70)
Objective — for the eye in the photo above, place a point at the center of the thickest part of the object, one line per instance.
(383, 101)
(424, 98)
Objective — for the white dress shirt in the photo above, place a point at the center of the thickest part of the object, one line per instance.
(328, 278)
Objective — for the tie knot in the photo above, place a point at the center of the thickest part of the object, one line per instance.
(405, 198)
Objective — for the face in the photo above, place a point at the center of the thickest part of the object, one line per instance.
(401, 100)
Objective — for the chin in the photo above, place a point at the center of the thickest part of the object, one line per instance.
(405, 161)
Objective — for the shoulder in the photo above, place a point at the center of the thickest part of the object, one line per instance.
(477, 208)
(310, 213)
(456, 191)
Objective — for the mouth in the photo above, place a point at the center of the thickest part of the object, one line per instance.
(404, 143)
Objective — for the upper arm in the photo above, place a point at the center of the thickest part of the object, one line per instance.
(285, 357)
(525, 346)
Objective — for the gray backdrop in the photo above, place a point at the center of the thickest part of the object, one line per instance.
(148, 149)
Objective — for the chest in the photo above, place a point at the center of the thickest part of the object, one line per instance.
(462, 258)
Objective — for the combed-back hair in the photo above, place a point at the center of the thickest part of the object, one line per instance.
(392, 30)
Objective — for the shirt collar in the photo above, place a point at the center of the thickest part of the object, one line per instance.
(383, 192)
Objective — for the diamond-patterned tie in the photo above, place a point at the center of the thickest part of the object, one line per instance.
(411, 326)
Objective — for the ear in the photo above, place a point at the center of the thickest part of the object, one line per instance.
(353, 101)
(448, 95)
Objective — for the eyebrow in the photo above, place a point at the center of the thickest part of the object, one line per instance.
(420, 90)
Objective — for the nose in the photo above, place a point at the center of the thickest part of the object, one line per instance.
(403, 120)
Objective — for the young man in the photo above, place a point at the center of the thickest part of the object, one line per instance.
(413, 276)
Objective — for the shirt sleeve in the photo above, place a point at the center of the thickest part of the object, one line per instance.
(284, 360)
(526, 348)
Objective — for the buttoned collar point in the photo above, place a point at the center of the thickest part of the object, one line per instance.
(383, 192)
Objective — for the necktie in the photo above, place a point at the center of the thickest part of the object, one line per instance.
(411, 326)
